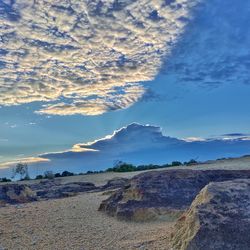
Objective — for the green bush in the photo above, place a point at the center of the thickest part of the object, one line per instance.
(192, 162)
(176, 163)
(4, 179)
(38, 177)
(67, 173)
(126, 167)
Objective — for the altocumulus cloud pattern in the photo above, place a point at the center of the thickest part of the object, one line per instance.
(85, 57)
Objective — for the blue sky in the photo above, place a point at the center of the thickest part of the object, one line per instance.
(190, 77)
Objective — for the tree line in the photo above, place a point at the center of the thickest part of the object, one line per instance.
(21, 170)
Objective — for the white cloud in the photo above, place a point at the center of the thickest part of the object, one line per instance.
(4, 140)
(192, 139)
(85, 57)
(29, 160)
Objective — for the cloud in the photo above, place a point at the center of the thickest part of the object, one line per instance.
(85, 57)
(193, 139)
(235, 135)
(97, 105)
(136, 138)
(4, 140)
(137, 144)
(215, 47)
(29, 160)
(13, 126)
(121, 141)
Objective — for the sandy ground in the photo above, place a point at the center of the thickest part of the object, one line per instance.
(75, 223)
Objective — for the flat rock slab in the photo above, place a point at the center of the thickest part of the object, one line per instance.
(51, 189)
(115, 183)
(218, 219)
(16, 193)
(155, 193)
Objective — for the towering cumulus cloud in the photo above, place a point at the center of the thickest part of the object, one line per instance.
(85, 57)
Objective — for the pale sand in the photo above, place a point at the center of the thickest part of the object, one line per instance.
(75, 223)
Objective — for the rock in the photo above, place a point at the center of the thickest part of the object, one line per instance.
(150, 194)
(45, 184)
(51, 189)
(218, 219)
(115, 183)
(16, 193)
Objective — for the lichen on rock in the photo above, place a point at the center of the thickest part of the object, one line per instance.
(163, 193)
(218, 219)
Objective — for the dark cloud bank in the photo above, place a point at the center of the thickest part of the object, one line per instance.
(141, 144)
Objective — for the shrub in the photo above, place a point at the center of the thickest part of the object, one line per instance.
(109, 170)
(191, 162)
(39, 177)
(125, 167)
(26, 178)
(122, 167)
(4, 179)
(67, 173)
(90, 172)
(165, 166)
(176, 163)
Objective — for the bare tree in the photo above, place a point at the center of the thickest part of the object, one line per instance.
(21, 169)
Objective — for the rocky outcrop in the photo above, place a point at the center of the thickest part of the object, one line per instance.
(16, 193)
(51, 189)
(218, 219)
(115, 183)
(155, 193)
(44, 184)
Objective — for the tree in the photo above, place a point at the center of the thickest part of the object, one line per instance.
(4, 179)
(58, 175)
(176, 163)
(120, 166)
(191, 162)
(21, 169)
(67, 173)
(39, 177)
(49, 175)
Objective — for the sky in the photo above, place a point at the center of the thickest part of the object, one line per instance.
(78, 71)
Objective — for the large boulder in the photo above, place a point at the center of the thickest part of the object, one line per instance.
(16, 193)
(218, 219)
(155, 193)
